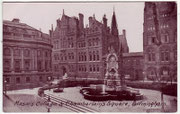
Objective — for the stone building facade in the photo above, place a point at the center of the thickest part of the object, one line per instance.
(79, 51)
(26, 55)
(160, 40)
(133, 64)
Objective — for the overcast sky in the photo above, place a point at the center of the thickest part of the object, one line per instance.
(129, 16)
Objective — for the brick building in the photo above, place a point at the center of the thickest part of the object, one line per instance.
(26, 55)
(160, 40)
(133, 65)
(79, 51)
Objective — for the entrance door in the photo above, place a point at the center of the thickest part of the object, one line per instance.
(63, 70)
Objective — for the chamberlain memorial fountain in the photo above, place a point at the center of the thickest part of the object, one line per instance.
(114, 87)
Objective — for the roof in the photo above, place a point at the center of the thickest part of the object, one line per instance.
(132, 54)
(17, 24)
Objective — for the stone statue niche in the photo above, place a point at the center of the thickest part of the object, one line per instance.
(112, 77)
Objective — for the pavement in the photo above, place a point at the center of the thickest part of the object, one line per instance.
(27, 100)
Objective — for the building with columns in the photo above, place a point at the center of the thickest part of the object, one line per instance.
(160, 41)
(26, 55)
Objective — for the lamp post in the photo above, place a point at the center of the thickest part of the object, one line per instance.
(49, 104)
(5, 82)
(49, 79)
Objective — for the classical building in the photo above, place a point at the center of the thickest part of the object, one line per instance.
(79, 51)
(26, 55)
(160, 40)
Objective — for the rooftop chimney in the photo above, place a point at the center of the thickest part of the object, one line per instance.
(16, 20)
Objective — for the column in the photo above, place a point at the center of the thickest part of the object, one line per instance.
(12, 60)
(22, 60)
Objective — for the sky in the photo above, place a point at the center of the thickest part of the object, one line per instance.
(129, 16)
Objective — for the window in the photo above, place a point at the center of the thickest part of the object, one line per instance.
(6, 65)
(90, 68)
(97, 55)
(90, 56)
(17, 52)
(164, 71)
(40, 78)
(27, 65)
(79, 68)
(97, 68)
(18, 80)
(94, 68)
(94, 56)
(72, 54)
(39, 53)
(27, 79)
(164, 55)
(79, 56)
(17, 65)
(93, 42)
(26, 53)
(46, 54)
(85, 68)
(151, 55)
(153, 40)
(39, 65)
(7, 52)
(46, 65)
(165, 38)
(97, 41)
(7, 80)
(85, 58)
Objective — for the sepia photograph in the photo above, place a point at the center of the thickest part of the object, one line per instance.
(89, 56)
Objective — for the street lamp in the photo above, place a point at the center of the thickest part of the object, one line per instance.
(49, 104)
(49, 79)
(5, 82)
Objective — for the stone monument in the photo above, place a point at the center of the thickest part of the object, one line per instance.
(113, 80)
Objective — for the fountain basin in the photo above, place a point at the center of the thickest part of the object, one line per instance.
(93, 94)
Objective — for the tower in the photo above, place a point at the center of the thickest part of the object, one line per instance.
(160, 41)
(114, 30)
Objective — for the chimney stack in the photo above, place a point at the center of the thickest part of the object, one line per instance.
(81, 21)
(90, 21)
(16, 20)
(124, 33)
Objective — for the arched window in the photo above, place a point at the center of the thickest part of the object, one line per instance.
(151, 73)
(94, 68)
(94, 56)
(79, 56)
(85, 68)
(17, 52)
(97, 41)
(7, 52)
(90, 56)
(164, 71)
(97, 68)
(165, 55)
(82, 56)
(27, 53)
(93, 42)
(151, 55)
(72, 55)
(85, 56)
(97, 53)
(90, 68)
